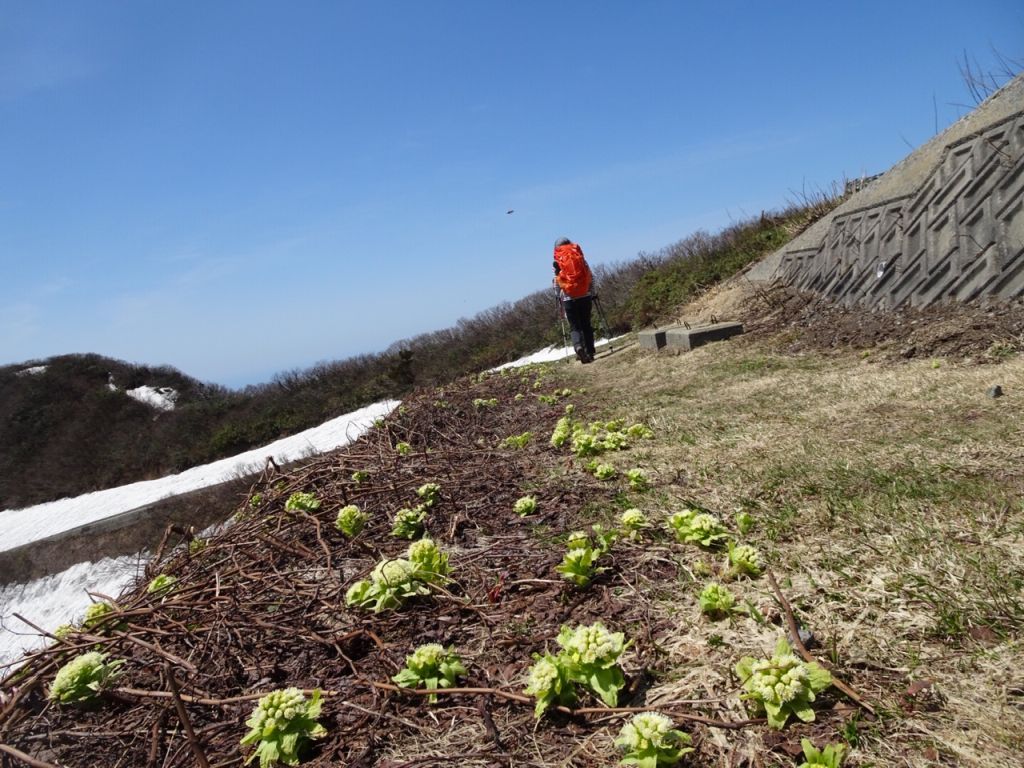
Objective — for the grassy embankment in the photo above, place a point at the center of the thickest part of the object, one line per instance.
(887, 499)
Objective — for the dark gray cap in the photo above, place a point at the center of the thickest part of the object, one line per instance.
(562, 241)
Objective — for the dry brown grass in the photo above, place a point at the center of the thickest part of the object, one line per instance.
(887, 499)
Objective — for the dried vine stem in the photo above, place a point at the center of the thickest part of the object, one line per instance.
(794, 631)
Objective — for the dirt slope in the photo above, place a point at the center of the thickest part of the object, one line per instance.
(883, 492)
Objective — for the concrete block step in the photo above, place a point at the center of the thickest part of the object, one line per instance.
(652, 339)
(691, 338)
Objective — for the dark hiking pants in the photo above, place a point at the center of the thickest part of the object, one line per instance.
(577, 312)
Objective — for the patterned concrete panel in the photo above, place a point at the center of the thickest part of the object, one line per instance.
(944, 224)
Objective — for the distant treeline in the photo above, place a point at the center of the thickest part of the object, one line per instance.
(65, 432)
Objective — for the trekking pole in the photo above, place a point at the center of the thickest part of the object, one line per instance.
(561, 319)
(604, 322)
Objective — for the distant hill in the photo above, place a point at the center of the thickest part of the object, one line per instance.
(67, 425)
(79, 423)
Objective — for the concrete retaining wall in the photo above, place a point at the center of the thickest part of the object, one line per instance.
(124, 534)
(945, 224)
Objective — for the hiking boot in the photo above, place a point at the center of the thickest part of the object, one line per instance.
(583, 356)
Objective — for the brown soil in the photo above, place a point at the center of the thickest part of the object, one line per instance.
(808, 323)
(262, 607)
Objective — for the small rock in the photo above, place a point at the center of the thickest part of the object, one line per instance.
(909, 352)
(995, 391)
(806, 637)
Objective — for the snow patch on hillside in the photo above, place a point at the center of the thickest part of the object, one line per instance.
(58, 599)
(550, 355)
(161, 398)
(22, 526)
(35, 370)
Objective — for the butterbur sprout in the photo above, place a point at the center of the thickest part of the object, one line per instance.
(82, 678)
(350, 520)
(281, 725)
(649, 740)
(161, 584)
(782, 685)
(96, 613)
(302, 502)
(526, 505)
(431, 666)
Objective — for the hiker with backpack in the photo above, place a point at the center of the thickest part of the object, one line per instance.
(573, 281)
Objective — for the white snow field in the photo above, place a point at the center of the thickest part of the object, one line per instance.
(22, 526)
(58, 599)
(550, 354)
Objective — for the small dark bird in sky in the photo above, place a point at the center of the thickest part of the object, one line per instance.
(510, 210)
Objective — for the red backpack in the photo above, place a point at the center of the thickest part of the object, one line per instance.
(573, 272)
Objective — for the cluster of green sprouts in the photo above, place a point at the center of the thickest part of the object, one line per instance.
(598, 437)
(691, 526)
(430, 493)
(518, 441)
(281, 725)
(650, 741)
(638, 480)
(633, 521)
(409, 523)
(525, 505)
(430, 666)
(589, 658)
(83, 678)
(302, 502)
(782, 685)
(394, 581)
(350, 520)
(579, 564)
(481, 402)
(403, 448)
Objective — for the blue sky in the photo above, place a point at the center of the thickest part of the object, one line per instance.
(240, 188)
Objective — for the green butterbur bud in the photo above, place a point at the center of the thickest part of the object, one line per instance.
(302, 502)
(82, 678)
(432, 667)
(161, 584)
(281, 725)
(430, 493)
(408, 523)
(649, 741)
(527, 505)
(350, 520)
(782, 685)
(96, 613)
